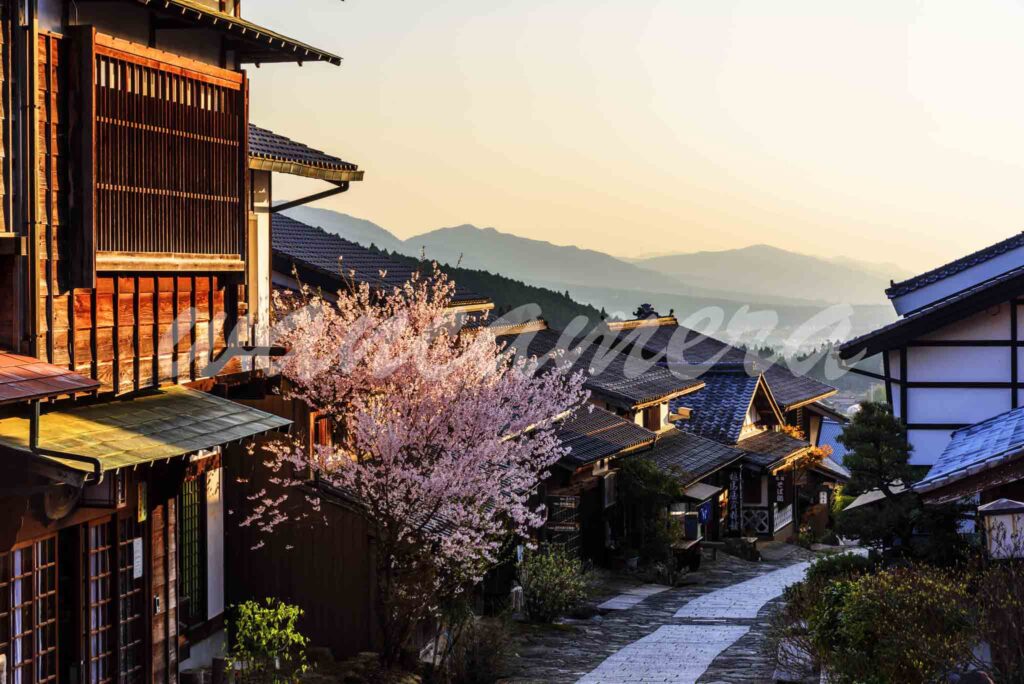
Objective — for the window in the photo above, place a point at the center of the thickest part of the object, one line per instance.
(192, 550)
(130, 602)
(610, 490)
(28, 612)
(100, 634)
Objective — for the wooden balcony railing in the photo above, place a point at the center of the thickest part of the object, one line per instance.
(163, 145)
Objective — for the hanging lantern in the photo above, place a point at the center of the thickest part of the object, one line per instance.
(1003, 522)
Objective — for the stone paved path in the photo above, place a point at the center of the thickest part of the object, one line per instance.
(633, 596)
(683, 653)
(568, 653)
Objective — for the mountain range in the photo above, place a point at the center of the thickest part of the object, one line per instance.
(762, 277)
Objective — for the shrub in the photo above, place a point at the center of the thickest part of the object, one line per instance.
(266, 642)
(904, 625)
(481, 652)
(1000, 597)
(554, 583)
(804, 598)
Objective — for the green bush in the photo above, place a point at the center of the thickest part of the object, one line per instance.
(266, 643)
(909, 625)
(803, 598)
(554, 583)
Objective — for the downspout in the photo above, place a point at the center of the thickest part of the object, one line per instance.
(29, 135)
(33, 446)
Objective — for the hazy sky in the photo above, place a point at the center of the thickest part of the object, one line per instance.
(878, 129)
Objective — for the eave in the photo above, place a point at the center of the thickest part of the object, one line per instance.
(807, 402)
(305, 170)
(997, 291)
(256, 44)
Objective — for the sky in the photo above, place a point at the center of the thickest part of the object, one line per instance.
(880, 130)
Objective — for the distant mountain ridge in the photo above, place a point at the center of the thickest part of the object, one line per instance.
(760, 277)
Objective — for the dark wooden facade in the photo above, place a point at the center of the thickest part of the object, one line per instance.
(125, 254)
(132, 225)
(323, 563)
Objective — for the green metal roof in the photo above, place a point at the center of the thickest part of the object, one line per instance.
(171, 422)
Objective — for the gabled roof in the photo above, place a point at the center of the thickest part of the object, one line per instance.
(982, 447)
(771, 448)
(164, 424)
(677, 346)
(610, 375)
(253, 44)
(23, 378)
(690, 456)
(938, 314)
(270, 151)
(593, 434)
(954, 267)
(330, 255)
(719, 410)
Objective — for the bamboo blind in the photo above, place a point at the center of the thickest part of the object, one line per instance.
(170, 158)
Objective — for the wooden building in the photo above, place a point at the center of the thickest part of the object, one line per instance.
(953, 357)
(134, 275)
(951, 366)
(745, 406)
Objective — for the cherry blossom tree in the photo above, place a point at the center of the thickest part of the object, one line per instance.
(440, 435)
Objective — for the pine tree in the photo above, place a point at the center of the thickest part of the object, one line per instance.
(878, 454)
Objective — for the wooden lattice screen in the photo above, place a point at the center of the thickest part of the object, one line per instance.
(164, 153)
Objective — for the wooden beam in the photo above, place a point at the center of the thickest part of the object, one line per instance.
(138, 262)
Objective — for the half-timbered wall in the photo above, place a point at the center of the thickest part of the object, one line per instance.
(961, 374)
(130, 330)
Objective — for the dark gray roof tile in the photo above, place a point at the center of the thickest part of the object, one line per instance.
(954, 267)
(332, 255)
(593, 434)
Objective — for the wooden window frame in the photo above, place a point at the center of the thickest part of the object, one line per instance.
(192, 571)
(29, 600)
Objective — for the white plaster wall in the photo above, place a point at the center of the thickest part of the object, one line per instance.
(894, 372)
(927, 445)
(261, 191)
(955, 405)
(958, 364)
(953, 284)
(214, 543)
(991, 324)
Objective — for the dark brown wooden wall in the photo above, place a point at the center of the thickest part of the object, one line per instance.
(324, 565)
(132, 330)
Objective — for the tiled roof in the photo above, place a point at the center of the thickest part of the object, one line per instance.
(768, 448)
(610, 375)
(330, 255)
(791, 390)
(829, 466)
(937, 314)
(593, 434)
(954, 267)
(25, 379)
(829, 436)
(681, 346)
(285, 155)
(689, 455)
(978, 448)
(719, 410)
(170, 422)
